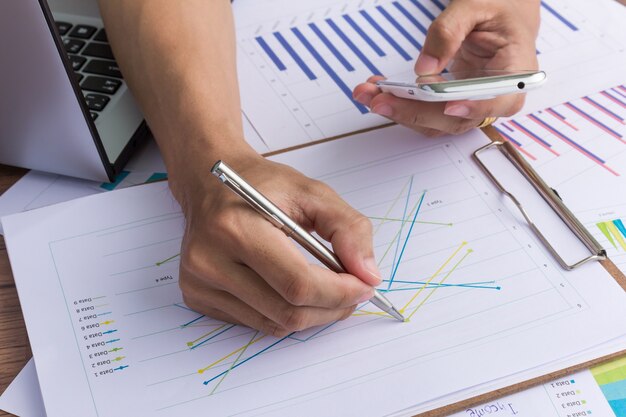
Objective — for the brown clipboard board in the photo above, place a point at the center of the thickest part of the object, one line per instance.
(444, 411)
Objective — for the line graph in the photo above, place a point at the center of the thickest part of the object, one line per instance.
(452, 257)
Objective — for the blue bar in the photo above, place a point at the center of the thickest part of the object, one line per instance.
(295, 56)
(399, 28)
(279, 64)
(385, 35)
(353, 47)
(604, 108)
(364, 35)
(331, 47)
(558, 16)
(519, 126)
(342, 86)
(423, 9)
(552, 130)
(509, 138)
(571, 106)
(439, 4)
(410, 17)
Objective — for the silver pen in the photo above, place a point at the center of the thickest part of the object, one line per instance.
(279, 219)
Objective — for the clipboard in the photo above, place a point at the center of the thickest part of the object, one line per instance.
(596, 254)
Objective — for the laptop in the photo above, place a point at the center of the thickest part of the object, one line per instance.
(64, 105)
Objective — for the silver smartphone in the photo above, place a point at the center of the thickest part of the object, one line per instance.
(467, 85)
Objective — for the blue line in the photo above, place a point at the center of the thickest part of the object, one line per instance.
(385, 35)
(423, 9)
(331, 47)
(279, 64)
(519, 126)
(406, 207)
(295, 56)
(103, 314)
(604, 108)
(557, 113)
(410, 17)
(112, 341)
(562, 136)
(594, 119)
(509, 128)
(435, 285)
(558, 16)
(439, 4)
(346, 90)
(618, 92)
(408, 235)
(314, 334)
(424, 282)
(192, 321)
(353, 47)
(212, 337)
(399, 28)
(364, 35)
(508, 137)
(613, 97)
(207, 382)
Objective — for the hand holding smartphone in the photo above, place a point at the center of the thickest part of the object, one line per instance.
(468, 85)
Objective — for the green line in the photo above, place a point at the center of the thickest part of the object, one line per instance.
(409, 221)
(168, 259)
(234, 362)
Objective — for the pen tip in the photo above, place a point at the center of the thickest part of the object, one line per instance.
(397, 315)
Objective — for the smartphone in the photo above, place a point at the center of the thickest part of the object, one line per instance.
(467, 85)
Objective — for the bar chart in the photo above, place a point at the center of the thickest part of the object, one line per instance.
(297, 70)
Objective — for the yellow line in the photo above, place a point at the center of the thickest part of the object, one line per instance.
(391, 207)
(441, 282)
(229, 355)
(433, 277)
(235, 362)
(205, 335)
(616, 233)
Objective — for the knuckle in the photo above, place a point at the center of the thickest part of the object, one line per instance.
(360, 224)
(297, 291)
(273, 329)
(293, 319)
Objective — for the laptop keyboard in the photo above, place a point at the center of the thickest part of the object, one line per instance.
(93, 63)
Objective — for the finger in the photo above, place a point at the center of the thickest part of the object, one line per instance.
(348, 230)
(365, 92)
(447, 33)
(285, 269)
(420, 115)
(223, 306)
(503, 106)
(255, 292)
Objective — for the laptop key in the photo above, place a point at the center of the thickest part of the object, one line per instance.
(94, 116)
(77, 61)
(82, 31)
(63, 27)
(73, 46)
(101, 36)
(96, 102)
(99, 50)
(100, 67)
(79, 77)
(101, 85)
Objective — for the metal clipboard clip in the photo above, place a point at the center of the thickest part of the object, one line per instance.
(550, 196)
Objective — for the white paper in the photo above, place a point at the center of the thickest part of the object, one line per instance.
(86, 261)
(23, 396)
(293, 96)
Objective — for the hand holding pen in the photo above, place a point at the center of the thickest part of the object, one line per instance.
(238, 267)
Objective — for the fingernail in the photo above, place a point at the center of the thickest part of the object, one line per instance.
(426, 65)
(372, 268)
(383, 110)
(458, 111)
(367, 296)
(364, 99)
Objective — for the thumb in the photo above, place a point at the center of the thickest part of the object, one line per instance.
(349, 232)
(446, 35)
